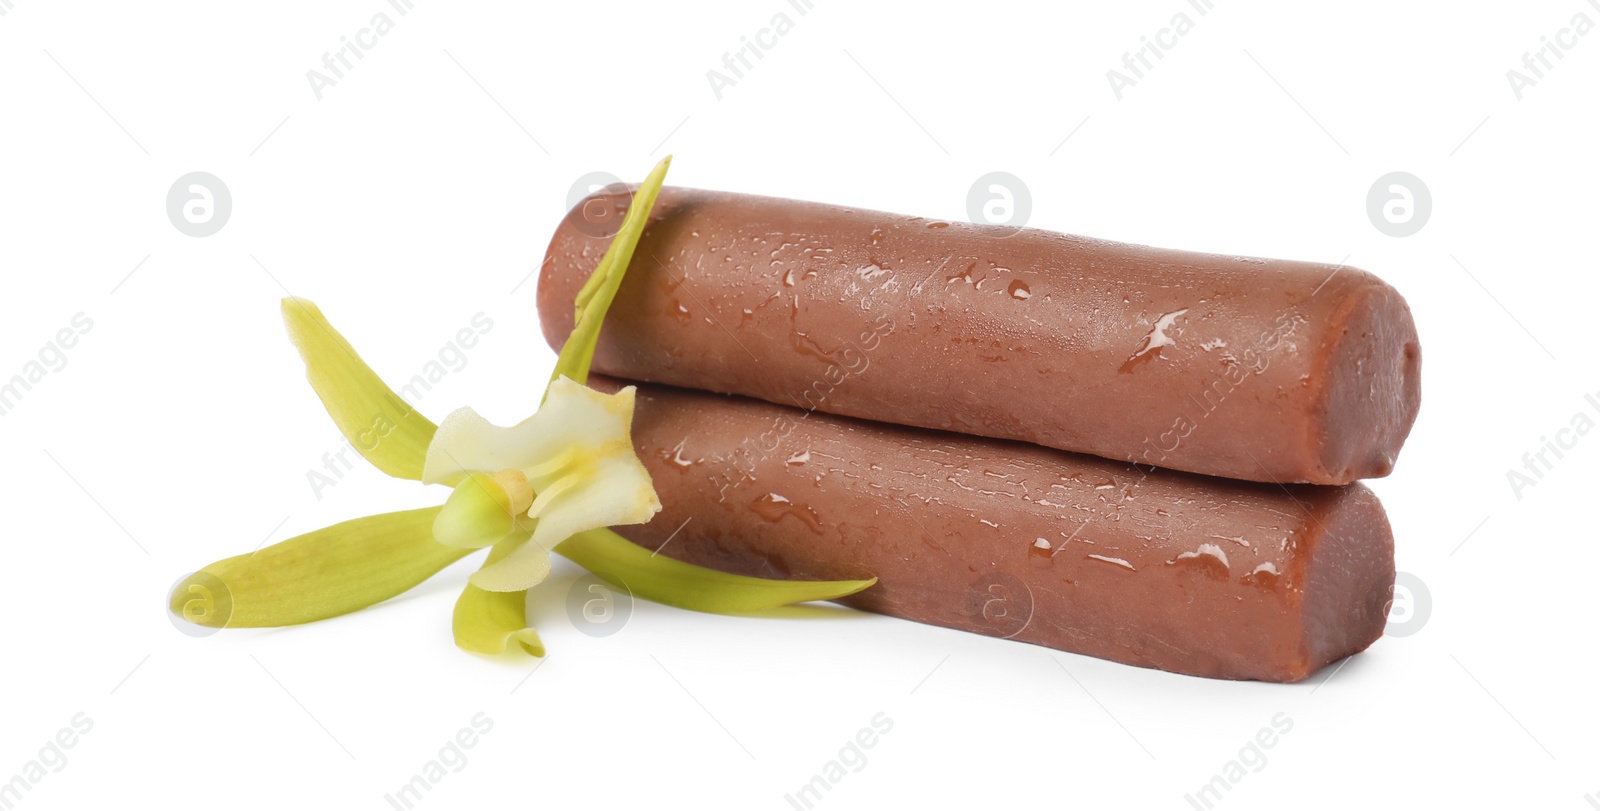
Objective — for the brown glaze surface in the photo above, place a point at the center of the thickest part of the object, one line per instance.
(1246, 368)
(1160, 569)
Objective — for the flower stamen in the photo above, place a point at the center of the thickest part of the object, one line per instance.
(519, 493)
(554, 465)
(543, 501)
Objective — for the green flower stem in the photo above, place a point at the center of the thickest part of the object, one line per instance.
(629, 566)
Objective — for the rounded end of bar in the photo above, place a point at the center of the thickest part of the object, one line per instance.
(1348, 579)
(1372, 386)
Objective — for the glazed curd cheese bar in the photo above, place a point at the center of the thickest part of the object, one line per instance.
(1253, 369)
(1162, 569)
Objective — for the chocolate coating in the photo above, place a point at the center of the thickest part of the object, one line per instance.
(1247, 368)
(1155, 568)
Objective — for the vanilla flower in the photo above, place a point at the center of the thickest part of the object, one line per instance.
(556, 481)
(571, 467)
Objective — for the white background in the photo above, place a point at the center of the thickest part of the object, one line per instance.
(422, 189)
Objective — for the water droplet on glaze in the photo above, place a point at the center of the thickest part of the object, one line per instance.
(1113, 561)
(1266, 576)
(676, 457)
(774, 508)
(805, 346)
(1209, 560)
(1150, 348)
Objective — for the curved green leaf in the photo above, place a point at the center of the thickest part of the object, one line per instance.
(385, 429)
(595, 297)
(318, 575)
(625, 564)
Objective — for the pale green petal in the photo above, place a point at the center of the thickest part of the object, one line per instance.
(595, 298)
(321, 574)
(380, 425)
(576, 416)
(468, 443)
(525, 566)
(664, 580)
(488, 621)
(617, 492)
(572, 414)
(477, 514)
(585, 293)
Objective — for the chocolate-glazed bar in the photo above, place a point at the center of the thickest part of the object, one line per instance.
(1246, 368)
(1155, 568)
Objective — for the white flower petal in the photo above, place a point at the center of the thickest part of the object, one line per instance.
(618, 492)
(571, 414)
(467, 443)
(526, 567)
(574, 414)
